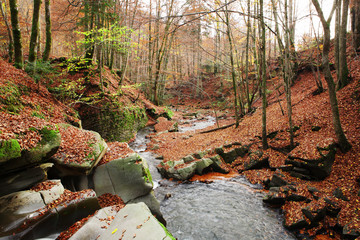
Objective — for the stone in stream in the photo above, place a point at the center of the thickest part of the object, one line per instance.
(135, 221)
(31, 214)
(184, 169)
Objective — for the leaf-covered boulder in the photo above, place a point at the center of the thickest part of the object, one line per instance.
(14, 158)
(256, 161)
(316, 167)
(80, 150)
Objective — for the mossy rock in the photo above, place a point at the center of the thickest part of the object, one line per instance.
(13, 158)
(116, 122)
(9, 149)
(11, 97)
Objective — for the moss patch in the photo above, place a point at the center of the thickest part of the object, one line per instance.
(9, 149)
(10, 98)
(147, 175)
(119, 123)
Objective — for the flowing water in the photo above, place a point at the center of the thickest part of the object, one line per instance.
(228, 209)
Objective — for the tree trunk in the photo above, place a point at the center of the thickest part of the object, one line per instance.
(337, 38)
(341, 138)
(233, 74)
(48, 43)
(34, 31)
(11, 41)
(343, 79)
(19, 61)
(263, 75)
(355, 24)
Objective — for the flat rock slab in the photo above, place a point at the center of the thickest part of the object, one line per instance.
(96, 224)
(135, 221)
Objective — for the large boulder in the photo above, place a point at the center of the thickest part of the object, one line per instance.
(13, 158)
(77, 157)
(136, 221)
(128, 178)
(38, 213)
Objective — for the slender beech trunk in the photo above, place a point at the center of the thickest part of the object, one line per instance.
(355, 24)
(233, 73)
(337, 37)
(341, 138)
(34, 31)
(19, 60)
(48, 43)
(343, 79)
(263, 74)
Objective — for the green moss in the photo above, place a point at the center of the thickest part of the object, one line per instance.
(147, 174)
(168, 113)
(48, 134)
(119, 123)
(10, 97)
(9, 149)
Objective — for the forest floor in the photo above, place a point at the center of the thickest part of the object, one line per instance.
(309, 110)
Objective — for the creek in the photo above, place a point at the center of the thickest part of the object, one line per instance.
(225, 209)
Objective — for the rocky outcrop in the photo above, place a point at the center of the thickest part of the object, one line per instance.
(313, 169)
(23, 179)
(230, 152)
(135, 221)
(14, 159)
(34, 214)
(130, 179)
(188, 166)
(113, 121)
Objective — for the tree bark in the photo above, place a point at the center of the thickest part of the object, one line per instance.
(263, 75)
(19, 61)
(48, 43)
(34, 31)
(343, 79)
(11, 41)
(355, 24)
(341, 138)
